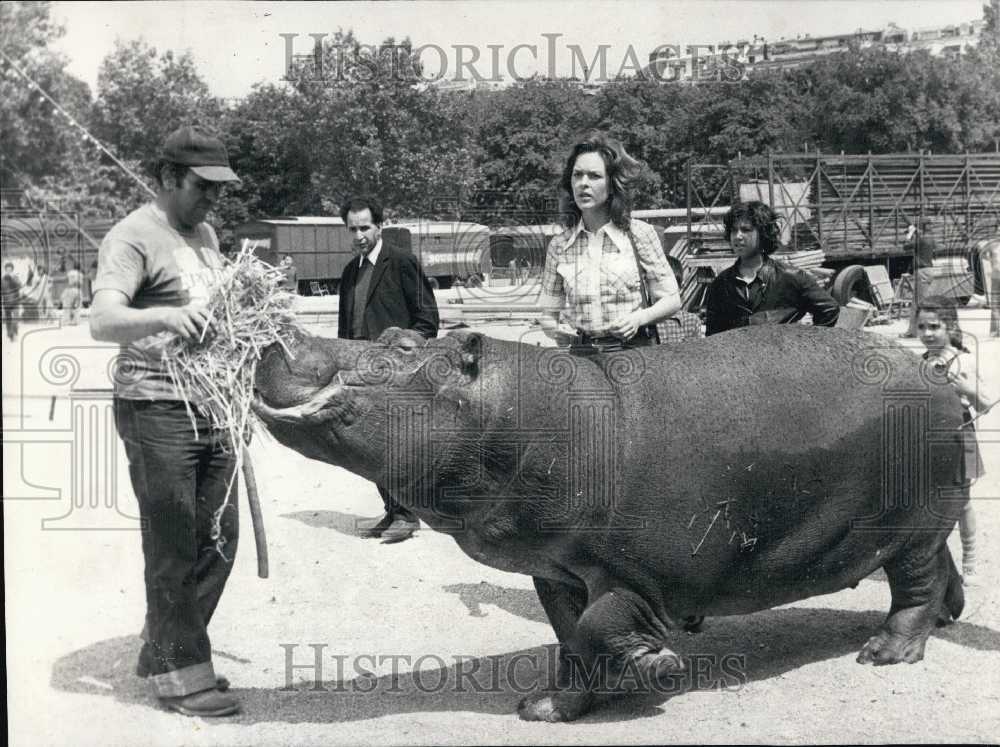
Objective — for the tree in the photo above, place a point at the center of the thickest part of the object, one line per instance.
(142, 96)
(36, 136)
(372, 128)
(268, 136)
(524, 136)
(989, 43)
(883, 102)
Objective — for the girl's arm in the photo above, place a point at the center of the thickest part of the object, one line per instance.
(966, 379)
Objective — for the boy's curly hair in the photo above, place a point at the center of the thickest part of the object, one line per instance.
(760, 216)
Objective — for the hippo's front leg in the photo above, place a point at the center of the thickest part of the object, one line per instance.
(563, 605)
(618, 638)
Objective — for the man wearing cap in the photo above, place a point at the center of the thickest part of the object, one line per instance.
(155, 271)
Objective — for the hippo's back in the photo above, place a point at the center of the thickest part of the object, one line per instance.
(772, 463)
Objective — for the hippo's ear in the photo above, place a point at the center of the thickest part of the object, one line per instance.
(405, 339)
(470, 347)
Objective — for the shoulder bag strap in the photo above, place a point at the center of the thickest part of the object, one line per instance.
(646, 300)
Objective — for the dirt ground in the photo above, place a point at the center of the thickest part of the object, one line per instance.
(466, 642)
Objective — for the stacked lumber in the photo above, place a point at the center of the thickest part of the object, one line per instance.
(696, 278)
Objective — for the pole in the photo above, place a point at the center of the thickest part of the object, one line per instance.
(689, 201)
(770, 178)
(256, 518)
(968, 201)
(843, 203)
(871, 207)
(819, 199)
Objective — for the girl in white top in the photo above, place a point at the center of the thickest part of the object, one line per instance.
(938, 329)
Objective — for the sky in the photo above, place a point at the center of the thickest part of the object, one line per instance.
(237, 44)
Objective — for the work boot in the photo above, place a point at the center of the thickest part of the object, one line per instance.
(205, 703)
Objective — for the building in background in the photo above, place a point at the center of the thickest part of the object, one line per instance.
(732, 60)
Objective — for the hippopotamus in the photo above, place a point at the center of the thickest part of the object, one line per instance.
(646, 489)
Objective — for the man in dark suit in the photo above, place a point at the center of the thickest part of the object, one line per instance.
(383, 288)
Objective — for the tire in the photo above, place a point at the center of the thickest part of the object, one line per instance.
(849, 283)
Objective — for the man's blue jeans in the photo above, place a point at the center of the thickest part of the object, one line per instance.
(180, 480)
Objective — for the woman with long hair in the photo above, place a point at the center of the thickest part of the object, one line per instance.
(592, 295)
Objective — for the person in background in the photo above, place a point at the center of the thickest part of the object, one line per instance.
(45, 302)
(683, 325)
(88, 284)
(156, 268)
(989, 253)
(291, 281)
(937, 325)
(385, 287)
(592, 269)
(71, 295)
(11, 297)
(923, 246)
(758, 289)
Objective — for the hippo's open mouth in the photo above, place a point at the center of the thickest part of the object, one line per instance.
(310, 409)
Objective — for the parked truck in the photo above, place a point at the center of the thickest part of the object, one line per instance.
(320, 248)
(447, 250)
(856, 212)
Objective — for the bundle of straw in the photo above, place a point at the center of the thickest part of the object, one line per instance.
(248, 311)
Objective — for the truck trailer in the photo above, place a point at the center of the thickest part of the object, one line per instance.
(856, 211)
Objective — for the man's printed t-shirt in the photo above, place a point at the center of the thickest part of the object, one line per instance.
(153, 264)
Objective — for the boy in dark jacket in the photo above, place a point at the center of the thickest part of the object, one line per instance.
(758, 289)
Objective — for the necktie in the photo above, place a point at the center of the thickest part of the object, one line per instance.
(358, 331)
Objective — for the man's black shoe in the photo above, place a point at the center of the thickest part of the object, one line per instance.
(400, 529)
(369, 530)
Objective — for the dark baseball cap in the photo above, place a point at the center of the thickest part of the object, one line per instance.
(204, 154)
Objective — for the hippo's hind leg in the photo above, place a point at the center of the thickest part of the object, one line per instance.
(616, 645)
(923, 591)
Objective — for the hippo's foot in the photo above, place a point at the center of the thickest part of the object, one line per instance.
(888, 648)
(923, 595)
(564, 705)
(584, 682)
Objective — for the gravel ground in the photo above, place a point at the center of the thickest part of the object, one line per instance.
(416, 642)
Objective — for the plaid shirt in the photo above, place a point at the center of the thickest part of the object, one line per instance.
(680, 327)
(593, 277)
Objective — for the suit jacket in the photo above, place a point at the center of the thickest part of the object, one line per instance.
(399, 295)
(781, 294)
